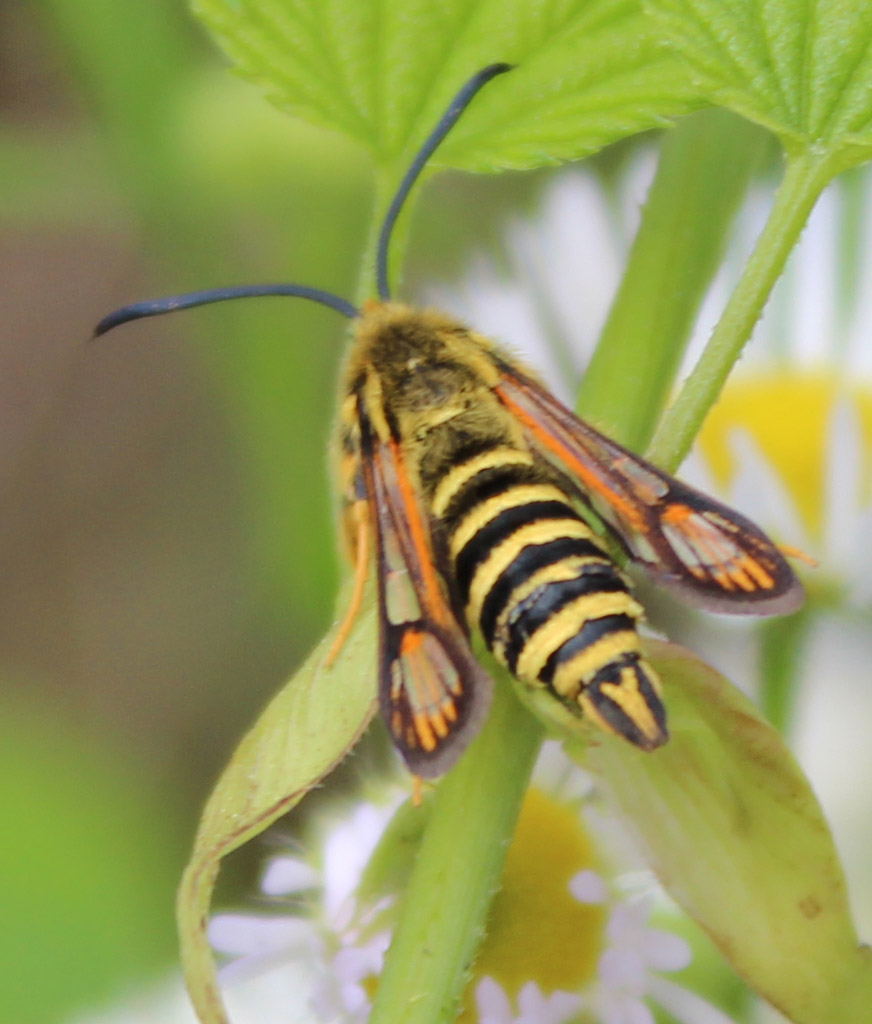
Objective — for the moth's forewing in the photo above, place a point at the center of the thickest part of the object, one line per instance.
(433, 693)
(707, 553)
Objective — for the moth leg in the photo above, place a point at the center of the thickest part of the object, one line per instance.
(361, 546)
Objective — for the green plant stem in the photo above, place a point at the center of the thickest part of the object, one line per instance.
(782, 647)
(458, 868)
(804, 180)
(386, 180)
(459, 862)
(384, 186)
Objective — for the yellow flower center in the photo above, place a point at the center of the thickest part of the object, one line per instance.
(787, 413)
(537, 930)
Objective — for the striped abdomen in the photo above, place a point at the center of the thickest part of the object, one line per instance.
(550, 603)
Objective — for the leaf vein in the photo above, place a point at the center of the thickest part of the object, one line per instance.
(841, 97)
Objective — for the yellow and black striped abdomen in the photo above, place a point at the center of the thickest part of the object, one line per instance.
(550, 603)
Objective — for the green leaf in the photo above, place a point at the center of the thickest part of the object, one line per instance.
(802, 69)
(729, 822)
(589, 72)
(303, 733)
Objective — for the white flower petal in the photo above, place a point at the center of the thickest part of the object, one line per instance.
(843, 469)
(664, 951)
(637, 1012)
(573, 208)
(622, 969)
(809, 289)
(502, 311)
(556, 774)
(859, 587)
(492, 1002)
(611, 1013)
(562, 1007)
(532, 1003)
(696, 471)
(744, 231)
(284, 875)
(685, 1006)
(635, 185)
(534, 1007)
(354, 963)
(620, 1008)
(831, 739)
(250, 935)
(570, 296)
(335, 999)
(628, 921)
(355, 1000)
(758, 490)
(589, 887)
(325, 999)
(277, 996)
(347, 851)
(858, 351)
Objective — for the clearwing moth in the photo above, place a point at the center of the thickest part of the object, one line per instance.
(462, 479)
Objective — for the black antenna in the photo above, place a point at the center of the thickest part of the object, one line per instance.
(157, 307)
(460, 102)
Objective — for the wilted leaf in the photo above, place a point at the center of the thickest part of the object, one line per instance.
(306, 729)
(734, 832)
(382, 71)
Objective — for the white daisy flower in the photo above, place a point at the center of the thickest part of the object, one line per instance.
(563, 936)
(569, 934)
(337, 940)
(591, 948)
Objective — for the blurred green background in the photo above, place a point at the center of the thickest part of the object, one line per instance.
(166, 542)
